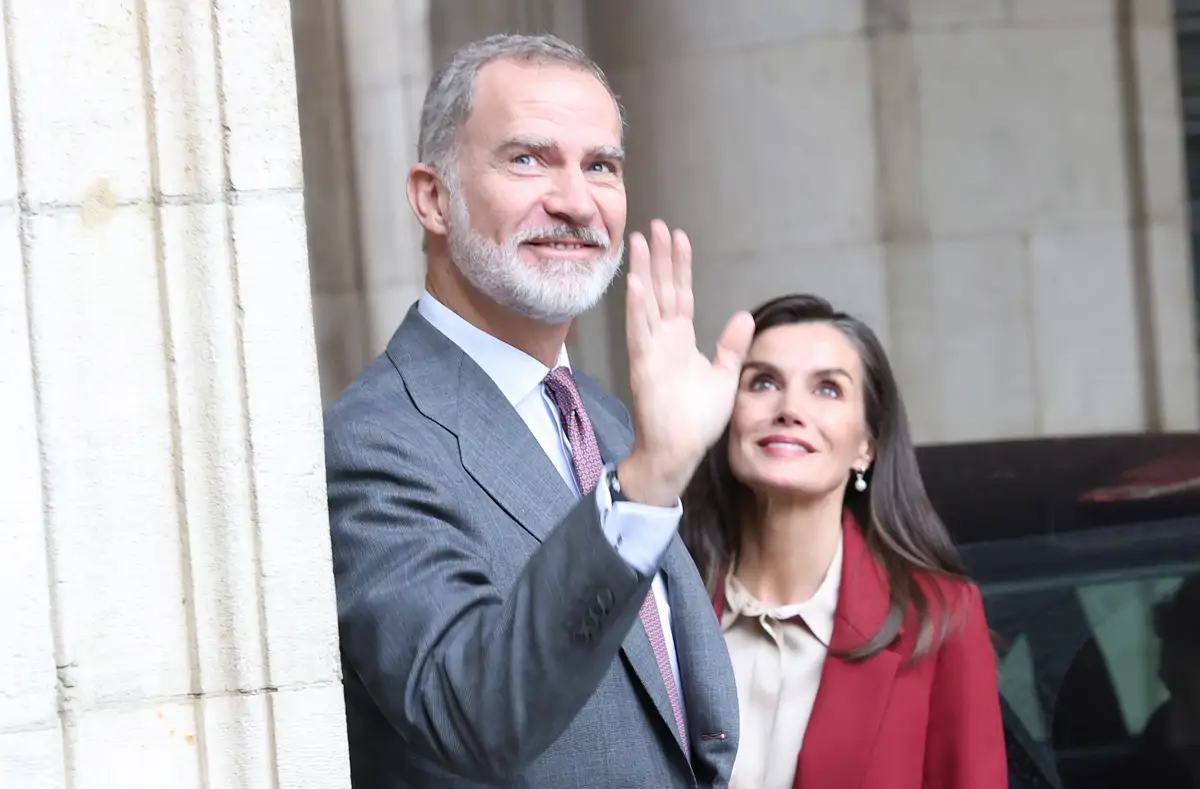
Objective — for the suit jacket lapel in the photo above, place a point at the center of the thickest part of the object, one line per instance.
(640, 656)
(501, 454)
(700, 651)
(853, 696)
(495, 445)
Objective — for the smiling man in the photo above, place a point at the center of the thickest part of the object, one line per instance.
(515, 606)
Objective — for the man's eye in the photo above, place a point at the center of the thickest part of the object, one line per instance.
(608, 167)
(523, 158)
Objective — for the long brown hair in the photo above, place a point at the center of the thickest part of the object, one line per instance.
(902, 530)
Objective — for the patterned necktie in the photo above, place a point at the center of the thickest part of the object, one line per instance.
(585, 453)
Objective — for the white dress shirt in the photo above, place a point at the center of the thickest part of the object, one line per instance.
(638, 532)
(778, 655)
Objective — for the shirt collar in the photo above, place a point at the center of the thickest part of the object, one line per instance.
(817, 612)
(514, 372)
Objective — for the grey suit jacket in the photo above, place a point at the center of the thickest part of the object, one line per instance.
(489, 632)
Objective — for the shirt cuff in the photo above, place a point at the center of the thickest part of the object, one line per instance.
(640, 533)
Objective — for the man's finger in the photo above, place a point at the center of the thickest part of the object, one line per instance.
(637, 328)
(639, 267)
(662, 265)
(682, 251)
(735, 343)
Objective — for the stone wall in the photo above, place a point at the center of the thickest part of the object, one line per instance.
(995, 186)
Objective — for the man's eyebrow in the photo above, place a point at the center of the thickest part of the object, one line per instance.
(525, 141)
(614, 152)
(531, 143)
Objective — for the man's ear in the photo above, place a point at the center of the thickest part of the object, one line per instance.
(429, 198)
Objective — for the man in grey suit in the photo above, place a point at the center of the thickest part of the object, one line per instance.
(515, 606)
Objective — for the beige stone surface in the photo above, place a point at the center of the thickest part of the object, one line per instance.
(166, 550)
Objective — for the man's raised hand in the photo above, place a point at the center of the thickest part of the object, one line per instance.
(682, 400)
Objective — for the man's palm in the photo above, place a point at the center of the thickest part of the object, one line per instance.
(682, 399)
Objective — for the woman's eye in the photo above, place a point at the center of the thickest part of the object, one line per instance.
(760, 383)
(829, 389)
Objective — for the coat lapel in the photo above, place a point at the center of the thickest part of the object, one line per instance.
(644, 663)
(853, 695)
(710, 698)
(500, 453)
(640, 656)
(495, 445)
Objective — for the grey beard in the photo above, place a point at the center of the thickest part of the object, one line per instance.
(552, 291)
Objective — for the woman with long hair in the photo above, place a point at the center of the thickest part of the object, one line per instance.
(860, 647)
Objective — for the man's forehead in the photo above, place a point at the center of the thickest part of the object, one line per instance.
(508, 76)
(509, 92)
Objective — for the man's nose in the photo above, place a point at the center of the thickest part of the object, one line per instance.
(571, 198)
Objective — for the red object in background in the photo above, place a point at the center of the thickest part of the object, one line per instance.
(1164, 476)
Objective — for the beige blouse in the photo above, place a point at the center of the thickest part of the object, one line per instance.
(777, 655)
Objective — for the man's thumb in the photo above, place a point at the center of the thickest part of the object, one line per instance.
(735, 342)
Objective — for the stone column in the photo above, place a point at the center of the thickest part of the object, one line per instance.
(387, 70)
(453, 23)
(362, 72)
(331, 202)
(166, 570)
(1160, 215)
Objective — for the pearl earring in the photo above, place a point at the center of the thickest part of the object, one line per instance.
(860, 484)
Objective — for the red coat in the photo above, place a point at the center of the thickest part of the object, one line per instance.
(880, 723)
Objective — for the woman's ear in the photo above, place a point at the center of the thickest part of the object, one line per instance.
(866, 455)
(429, 198)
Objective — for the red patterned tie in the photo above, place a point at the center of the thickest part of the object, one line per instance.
(585, 454)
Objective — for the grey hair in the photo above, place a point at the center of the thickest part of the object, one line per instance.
(451, 93)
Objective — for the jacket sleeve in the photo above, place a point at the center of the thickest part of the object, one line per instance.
(477, 680)
(964, 747)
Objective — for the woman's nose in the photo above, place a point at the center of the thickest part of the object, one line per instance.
(789, 415)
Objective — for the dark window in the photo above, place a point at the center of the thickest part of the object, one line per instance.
(1088, 687)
